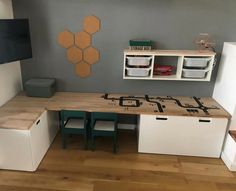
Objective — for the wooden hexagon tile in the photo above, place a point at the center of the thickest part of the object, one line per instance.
(74, 55)
(83, 39)
(79, 49)
(83, 69)
(91, 24)
(66, 39)
(91, 55)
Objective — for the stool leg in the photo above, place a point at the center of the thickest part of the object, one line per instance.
(85, 140)
(63, 140)
(93, 142)
(114, 143)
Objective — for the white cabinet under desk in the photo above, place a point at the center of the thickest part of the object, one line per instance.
(23, 149)
(180, 135)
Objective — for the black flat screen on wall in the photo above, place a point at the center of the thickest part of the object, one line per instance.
(15, 41)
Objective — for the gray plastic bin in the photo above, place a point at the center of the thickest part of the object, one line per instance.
(40, 87)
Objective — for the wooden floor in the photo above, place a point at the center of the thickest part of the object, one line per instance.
(76, 169)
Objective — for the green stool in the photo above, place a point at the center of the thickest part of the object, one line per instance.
(104, 124)
(74, 122)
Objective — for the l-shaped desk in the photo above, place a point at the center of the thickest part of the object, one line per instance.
(166, 125)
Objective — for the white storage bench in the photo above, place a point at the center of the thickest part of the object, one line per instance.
(180, 135)
(24, 149)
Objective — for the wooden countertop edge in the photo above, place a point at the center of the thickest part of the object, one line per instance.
(31, 122)
(39, 110)
(228, 116)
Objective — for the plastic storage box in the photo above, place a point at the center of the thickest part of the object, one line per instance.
(138, 72)
(196, 62)
(40, 87)
(192, 73)
(139, 61)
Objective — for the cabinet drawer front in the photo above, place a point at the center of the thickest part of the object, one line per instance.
(15, 151)
(181, 135)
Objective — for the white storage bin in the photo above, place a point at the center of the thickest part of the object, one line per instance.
(193, 73)
(196, 62)
(138, 61)
(138, 72)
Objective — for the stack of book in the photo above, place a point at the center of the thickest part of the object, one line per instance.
(140, 44)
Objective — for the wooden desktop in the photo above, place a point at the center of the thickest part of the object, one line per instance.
(28, 125)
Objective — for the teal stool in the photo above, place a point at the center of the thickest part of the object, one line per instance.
(74, 122)
(104, 124)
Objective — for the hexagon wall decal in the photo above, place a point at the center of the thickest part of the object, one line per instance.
(82, 39)
(91, 55)
(91, 24)
(79, 48)
(83, 69)
(66, 39)
(74, 55)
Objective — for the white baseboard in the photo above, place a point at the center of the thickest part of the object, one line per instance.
(127, 126)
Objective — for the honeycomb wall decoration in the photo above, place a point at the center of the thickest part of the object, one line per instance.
(79, 49)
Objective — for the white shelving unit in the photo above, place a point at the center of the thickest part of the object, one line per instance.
(178, 55)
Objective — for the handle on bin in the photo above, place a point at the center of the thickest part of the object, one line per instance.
(162, 118)
(204, 120)
(38, 122)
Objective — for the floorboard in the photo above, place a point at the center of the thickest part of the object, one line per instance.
(75, 169)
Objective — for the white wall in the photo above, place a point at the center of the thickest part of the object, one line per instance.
(225, 85)
(10, 73)
(225, 94)
(233, 120)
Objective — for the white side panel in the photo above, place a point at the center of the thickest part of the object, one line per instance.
(42, 135)
(10, 81)
(232, 125)
(15, 149)
(228, 163)
(230, 148)
(10, 74)
(6, 11)
(225, 91)
(181, 135)
(229, 153)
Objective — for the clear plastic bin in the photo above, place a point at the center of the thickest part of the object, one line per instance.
(138, 72)
(193, 73)
(196, 62)
(138, 61)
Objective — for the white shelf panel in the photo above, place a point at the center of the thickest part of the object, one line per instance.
(168, 77)
(137, 78)
(194, 79)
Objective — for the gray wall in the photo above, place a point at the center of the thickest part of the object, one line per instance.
(172, 24)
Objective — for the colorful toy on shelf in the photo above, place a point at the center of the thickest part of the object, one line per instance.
(205, 42)
(163, 70)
